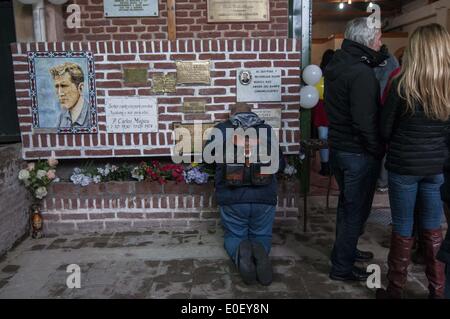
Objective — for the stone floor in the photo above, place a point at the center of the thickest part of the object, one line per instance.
(189, 265)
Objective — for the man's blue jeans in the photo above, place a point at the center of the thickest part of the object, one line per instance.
(403, 191)
(356, 175)
(247, 221)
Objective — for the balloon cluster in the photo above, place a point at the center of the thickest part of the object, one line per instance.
(313, 91)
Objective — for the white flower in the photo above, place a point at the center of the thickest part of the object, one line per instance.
(290, 170)
(101, 171)
(27, 182)
(41, 173)
(24, 174)
(114, 168)
(97, 179)
(86, 180)
(76, 178)
(56, 180)
(77, 170)
(41, 192)
(52, 162)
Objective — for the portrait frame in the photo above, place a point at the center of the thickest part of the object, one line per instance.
(36, 84)
(245, 77)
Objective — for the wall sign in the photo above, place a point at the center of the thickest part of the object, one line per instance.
(238, 10)
(258, 85)
(131, 8)
(131, 114)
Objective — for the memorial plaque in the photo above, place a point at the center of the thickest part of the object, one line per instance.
(271, 117)
(197, 140)
(238, 10)
(131, 114)
(135, 76)
(164, 83)
(130, 8)
(193, 72)
(194, 106)
(258, 85)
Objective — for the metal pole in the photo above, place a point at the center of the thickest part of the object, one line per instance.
(39, 21)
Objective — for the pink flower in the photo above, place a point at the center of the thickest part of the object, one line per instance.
(31, 166)
(51, 174)
(52, 162)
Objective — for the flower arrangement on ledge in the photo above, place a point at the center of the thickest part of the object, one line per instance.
(37, 176)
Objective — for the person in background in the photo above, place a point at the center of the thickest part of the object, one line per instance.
(414, 122)
(320, 120)
(383, 74)
(444, 252)
(352, 103)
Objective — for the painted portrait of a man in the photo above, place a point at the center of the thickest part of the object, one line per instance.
(63, 91)
(68, 79)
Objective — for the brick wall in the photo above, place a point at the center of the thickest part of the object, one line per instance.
(125, 206)
(190, 19)
(159, 56)
(14, 202)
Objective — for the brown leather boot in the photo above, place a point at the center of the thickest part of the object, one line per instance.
(398, 261)
(434, 269)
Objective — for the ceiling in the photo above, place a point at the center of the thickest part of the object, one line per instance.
(328, 10)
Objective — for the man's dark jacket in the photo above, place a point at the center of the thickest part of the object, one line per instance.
(352, 99)
(226, 195)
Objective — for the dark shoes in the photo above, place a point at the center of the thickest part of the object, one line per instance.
(254, 263)
(263, 264)
(357, 274)
(245, 263)
(434, 269)
(363, 256)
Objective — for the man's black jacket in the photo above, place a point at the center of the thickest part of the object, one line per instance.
(352, 99)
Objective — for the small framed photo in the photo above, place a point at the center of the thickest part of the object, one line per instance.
(63, 94)
(245, 77)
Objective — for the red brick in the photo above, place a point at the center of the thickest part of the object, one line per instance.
(127, 152)
(148, 187)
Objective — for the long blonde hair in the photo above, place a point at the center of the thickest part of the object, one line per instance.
(425, 74)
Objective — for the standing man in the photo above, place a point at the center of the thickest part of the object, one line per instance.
(68, 79)
(352, 102)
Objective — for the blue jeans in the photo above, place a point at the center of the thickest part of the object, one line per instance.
(356, 175)
(247, 221)
(447, 282)
(323, 135)
(403, 191)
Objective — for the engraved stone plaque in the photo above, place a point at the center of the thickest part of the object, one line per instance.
(194, 106)
(238, 10)
(271, 117)
(164, 83)
(135, 76)
(193, 72)
(258, 85)
(130, 8)
(134, 114)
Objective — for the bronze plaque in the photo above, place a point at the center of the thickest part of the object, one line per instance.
(238, 10)
(135, 76)
(197, 141)
(194, 106)
(164, 83)
(193, 72)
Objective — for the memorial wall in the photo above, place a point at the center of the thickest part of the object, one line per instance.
(106, 98)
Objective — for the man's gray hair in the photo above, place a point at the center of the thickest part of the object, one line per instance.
(359, 30)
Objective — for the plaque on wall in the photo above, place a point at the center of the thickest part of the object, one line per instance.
(193, 72)
(271, 117)
(238, 11)
(131, 8)
(164, 83)
(136, 114)
(194, 106)
(135, 76)
(258, 85)
(197, 135)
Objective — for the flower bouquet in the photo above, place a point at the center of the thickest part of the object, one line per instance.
(196, 174)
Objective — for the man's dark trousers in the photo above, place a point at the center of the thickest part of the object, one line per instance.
(356, 175)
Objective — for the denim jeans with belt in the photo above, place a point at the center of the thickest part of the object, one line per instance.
(247, 221)
(403, 192)
(356, 175)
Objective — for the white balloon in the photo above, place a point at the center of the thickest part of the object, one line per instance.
(309, 97)
(58, 2)
(29, 1)
(312, 74)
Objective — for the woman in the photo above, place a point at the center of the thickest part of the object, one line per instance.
(414, 121)
(320, 120)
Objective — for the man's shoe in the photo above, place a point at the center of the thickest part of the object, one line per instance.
(245, 263)
(324, 169)
(263, 264)
(357, 274)
(363, 256)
